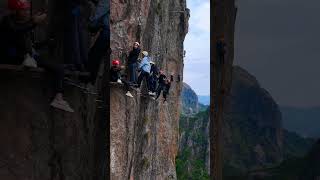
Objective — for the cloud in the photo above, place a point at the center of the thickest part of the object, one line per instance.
(197, 46)
(200, 17)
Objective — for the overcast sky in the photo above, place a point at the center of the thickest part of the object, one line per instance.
(197, 46)
(278, 41)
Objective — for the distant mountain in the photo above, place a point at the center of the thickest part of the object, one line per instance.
(304, 121)
(205, 100)
(301, 168)
(189, 100)
(253, 135)
(192, 161)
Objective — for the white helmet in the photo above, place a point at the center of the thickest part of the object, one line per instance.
(145, 53)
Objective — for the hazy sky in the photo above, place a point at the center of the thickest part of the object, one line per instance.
(278, 41)
(197, 46)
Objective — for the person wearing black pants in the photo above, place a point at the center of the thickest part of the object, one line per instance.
(99, 23)
(153, 78)
(16, 46)
(133, 61)
(115, 76)
(164, 87)
(145, 68)
(143, 75)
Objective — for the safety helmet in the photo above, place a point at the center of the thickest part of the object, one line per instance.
(18, 4)
(115, 62)
(152, 62)
(145, 53)
(136, 43)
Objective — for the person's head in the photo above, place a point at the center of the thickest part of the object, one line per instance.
(161, 72)
(21, 8)
(115, 63)
(145, 53)
(136, 45)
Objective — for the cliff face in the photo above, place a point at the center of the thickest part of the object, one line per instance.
(39, 142)
(144, 132)
(189, 100)
(253, 131)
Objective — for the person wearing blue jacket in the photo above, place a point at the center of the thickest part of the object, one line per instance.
(144, 69)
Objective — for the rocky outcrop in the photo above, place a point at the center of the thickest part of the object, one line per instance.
(189, 100)
(252, 129)
(144, 132)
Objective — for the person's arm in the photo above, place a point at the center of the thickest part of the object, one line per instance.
(143, 63)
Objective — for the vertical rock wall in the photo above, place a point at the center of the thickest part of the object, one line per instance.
(39, 142)
(144, 132)
(224, 16)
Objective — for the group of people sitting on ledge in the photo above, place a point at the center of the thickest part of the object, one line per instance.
(156, 80)
(17, 46)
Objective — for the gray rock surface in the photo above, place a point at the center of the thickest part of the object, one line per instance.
(144, 132)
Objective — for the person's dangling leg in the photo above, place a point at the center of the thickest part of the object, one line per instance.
(96, 55)
(140, 78)
(164, 94)
(58, 73)
(127, 87)
(159, 91)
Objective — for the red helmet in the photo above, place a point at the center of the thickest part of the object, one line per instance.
(115, 62)
(18, 4)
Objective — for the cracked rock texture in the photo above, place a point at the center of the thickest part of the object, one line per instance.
(144, 132)
(39, 142)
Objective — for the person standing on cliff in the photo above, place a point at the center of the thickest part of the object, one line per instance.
(17, 47)
(133, 62)
(144, 69)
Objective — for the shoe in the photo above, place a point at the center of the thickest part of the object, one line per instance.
(150, 93)
(29, 61)
(153, 98)
(129, 94)
(62, 105)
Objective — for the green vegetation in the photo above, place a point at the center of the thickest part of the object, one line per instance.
(191, 160)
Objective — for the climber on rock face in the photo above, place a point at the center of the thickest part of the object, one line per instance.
(164, 85)
(144, 69)
(153, 78)
(115, 76)
(221, 49)
(15, 31)
(133, 62)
